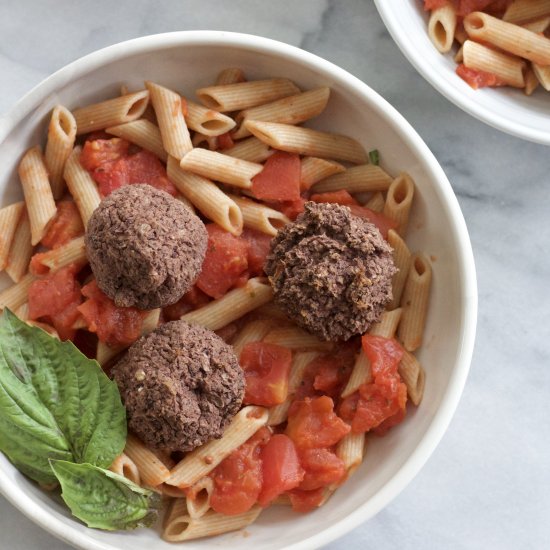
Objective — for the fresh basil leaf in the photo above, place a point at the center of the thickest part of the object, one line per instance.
(105, 500)
(374, 157)
(54, 403)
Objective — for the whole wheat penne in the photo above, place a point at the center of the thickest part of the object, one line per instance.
(171, 122)
(232, 305)
(61, 137)
(295, 338)
(21, 249)
(357, 179)
(415, 302)
(442, 26)
(251, 149)
(526, 10)
(387, 325)
(350, 450)
(243, 95)
(531, 81)
(124, 466)
(143, 133)
(219, 167)
(508, 68)
(9, 220)
(300, 361)
(204, 459)
(543, 75)
(231, 75)
(313, 169)
(288, 110)
(111, 112)
(377, 202)
(260, 217)
(198, 497)
(511, 38)
(402, 260)
(413, 376)
(254, 331)
(73, 252)
(38, 193)
(207, 121)
(180, 528)
(17, 294)
(538, 25)
(361, 374)
(207, 197)
(399, 201)
(81, 186)
(151, 469)
(305, 141)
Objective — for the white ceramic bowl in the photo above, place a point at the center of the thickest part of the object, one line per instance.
(187, 60)
(506, 109)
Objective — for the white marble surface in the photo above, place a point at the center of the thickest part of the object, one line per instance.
(487, 485)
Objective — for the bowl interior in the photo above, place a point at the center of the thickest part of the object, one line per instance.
(506, 109)
(186, 63)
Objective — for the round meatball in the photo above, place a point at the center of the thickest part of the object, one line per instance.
(181, 385)
(331, 271)
(145, 247)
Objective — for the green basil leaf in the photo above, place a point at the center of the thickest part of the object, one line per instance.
(54, 403)
(105, 500)
(374, 157)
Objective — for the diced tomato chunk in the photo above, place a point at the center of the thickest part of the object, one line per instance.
(266, 368)
(55, 299)
(305, 501)
(192, 299)
(312, 423)
(291, 209)
(280, 178)
(66, 225)
(336, 197)
(116, 326)
(226, 260)
(95, 154)
(477, 79)
(322, 468)
(238, 478)
(280, 467)
(225, 141)
(381, 221)
(258, 248)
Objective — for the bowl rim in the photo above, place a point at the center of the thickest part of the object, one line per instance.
(405, 43)
(466, 267)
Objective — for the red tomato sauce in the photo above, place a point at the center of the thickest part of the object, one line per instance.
(478, 79)
(66, 225)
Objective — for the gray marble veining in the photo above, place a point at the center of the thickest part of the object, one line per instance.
(486, 486)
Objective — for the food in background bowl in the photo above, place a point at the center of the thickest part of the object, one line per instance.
(266, 531)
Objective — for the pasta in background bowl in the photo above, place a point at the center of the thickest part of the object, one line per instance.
(504, 108)
(436, 226)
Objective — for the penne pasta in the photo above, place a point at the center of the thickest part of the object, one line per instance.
(198, 497)
(305, 141)
(231, 75)
(520, 11)
(232, 305)
(206, 121)
(243, 95)
(9, 220)
(142, 133)
(511, 38)
(61, 138)
(357, 179)
(538, 25)
(531, 81)
(251, 149)
(124, 466)
(151, 469)
(219, 167)
(399, 201)
(543, 75)
(289, 110)
(361, 374)
(254, 331)
(111, 112)
(20, 250)
(22, 311)
(260, 217)
(199, 140)
(105, 353)
(41, 206)
(16, 295)
(207, 197)
(81, 186)
(376, 203)
(171, 122)
(387, 325)
(402, 260)
(204, 459)
(442, 27)
(313, 169)
(413, 376)
(74, 252)
(350, 450)
(509, 69)
(415, 303)
(295, 338)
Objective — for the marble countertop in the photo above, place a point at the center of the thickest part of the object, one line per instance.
(487, 484)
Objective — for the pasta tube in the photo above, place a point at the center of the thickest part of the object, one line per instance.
(357, 179)
(313, 169)
(260, 217)
(143, 133)
(251, 149)
(20, 250)
(206, 121)
(9, 218)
